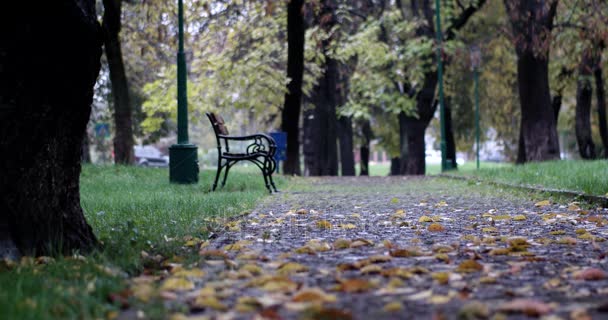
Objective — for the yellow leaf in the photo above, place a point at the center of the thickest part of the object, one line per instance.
(313, 295)
(347, 226)
(441, 277)
(443, 257)
(543, 203)
(248, 304)
(519, 217)
(425, 219)
(405, 253)
(274, 283)
(489, 230)
(210, 302)
(252, 268)
(290, 268)
(468, 266)
(360, 243)
(193, 273)
(177, 284)
(323, 224)
(438, 299)
(371, 269)
(557, 232)
(318, 246)
(394, 306)
(143, 291)
(342, 243)
(394, 200)
(499, 252)
(441, 204)
(580, 231)
(379, 258)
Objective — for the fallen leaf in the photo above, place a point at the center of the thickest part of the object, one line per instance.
(474, 310)
(393, 306)
(371, 269)
(210, 302)
(441, 277)
(394, 200)
(213, 254)
(499, 252)
(302, 211)
(313, 295)
(590, 274)
(193, 273)
(347, 226)
(405, 253)
(425, 219)
(468, 266)
(360, 243)
(519, 217)
(529, 307)
(342, 244)
(436, 227)
(177, 284)
(354, 285)
(543, 203)
(323, 224)
(291, 268)
(248, 304)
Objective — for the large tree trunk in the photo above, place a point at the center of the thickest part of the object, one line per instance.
(601, 107)
(296, 29)
(413, 128)
(415, 161)
(532, 21)
(395, 166)
(366, 130)
(345, 137)
(49, 57)
(322, 155)
(123, 139)
(584, 95)
(86, 149)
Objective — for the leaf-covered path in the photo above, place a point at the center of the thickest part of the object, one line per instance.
(400, 248)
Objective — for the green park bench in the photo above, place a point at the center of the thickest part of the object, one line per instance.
(259, 149)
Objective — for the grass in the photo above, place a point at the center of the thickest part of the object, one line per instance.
(130, 210)
(590, 177)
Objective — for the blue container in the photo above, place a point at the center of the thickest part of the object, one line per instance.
(280, 138)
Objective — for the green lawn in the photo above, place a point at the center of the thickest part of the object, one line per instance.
(134, 212)
(590, 177)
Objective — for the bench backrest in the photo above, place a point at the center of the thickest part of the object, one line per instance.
(219, 126)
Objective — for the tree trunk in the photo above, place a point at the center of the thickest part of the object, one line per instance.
(415, 162)
(584, 95)
(531, 22)
(601, 107)
(345, 137)
(366, 130)
(395, 166)
(49, 57)
(556, 105)
(538, 127)
(123, 139)
(86, 149)
(296, 30)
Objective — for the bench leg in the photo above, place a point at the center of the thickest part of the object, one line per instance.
(226, 174)
(270, 172)
(217, 174)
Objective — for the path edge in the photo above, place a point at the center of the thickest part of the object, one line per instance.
(591, 199)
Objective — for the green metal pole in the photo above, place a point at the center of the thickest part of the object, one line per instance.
(476, 76)
(183, 162)
(438, 32)
(182, 95)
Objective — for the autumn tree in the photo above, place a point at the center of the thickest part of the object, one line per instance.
(296, 30)
(531, 24)
(49, 57)
(123, 139)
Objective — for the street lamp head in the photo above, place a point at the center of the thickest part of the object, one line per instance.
(475, 57)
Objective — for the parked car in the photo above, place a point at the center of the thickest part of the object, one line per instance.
(150, 156)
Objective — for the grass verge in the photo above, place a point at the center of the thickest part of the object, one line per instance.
(590, 177)
(135, 212)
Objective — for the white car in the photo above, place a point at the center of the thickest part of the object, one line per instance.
(150, 156)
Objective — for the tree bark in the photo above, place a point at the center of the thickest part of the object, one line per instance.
(395, 166)
(345, 137)
(86, 149)
(49, 57)
(601, 107)
(296, 29)
(415, 162)
(123, 139)
(366, 130)
(584, 95)
(532, 22)
(556, 105)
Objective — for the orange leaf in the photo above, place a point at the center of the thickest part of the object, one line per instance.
(590, 274)
(436, 227)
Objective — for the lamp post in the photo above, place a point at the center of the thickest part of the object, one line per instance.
(475, 63)
(183, 162)
(444, 164)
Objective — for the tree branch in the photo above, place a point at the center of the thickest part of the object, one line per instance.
(458, 22)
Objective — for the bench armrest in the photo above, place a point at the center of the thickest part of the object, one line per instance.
(256, 145)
